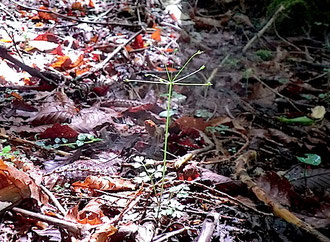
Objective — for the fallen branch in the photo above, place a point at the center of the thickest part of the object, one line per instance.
(263, 30)
(33, 72)
(24, 141)
(72, 227)
(278, 209)
(54, 199)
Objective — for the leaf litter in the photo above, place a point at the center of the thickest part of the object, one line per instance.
(81, 149)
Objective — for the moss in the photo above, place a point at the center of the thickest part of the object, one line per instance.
(265, 55)
(300, 13)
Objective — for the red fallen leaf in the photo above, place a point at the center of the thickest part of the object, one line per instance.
(47, 37)
(29, 82)
(16, 95)
(173, 17)
(138, 42)
(101, 90)
(16, 185)
(46, 16)
(143, 107)
(50, 213)
(59, 131)
(77, 6)
(189, 173)
(128, 48)
(156, 35)
(186, 142)
(63, 62)
(191, 122)
(159, 69)
(78, 62)
(94, 39)
(91, 4)
(170, 69)
(90, 214)
(82, 71)
(58, 51)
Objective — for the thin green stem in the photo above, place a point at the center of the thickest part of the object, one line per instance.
(190, 74)
(150, 82)
(166, 133)
(193, 84)
(185, 64)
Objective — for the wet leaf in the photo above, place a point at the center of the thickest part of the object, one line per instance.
(299, 120)
(310, 159)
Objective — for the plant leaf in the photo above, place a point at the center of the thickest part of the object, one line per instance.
(310, 159)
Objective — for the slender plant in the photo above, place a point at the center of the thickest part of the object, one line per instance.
(170, 82)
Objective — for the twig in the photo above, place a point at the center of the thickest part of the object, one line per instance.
(167, 236)
(214, 72)
(54, 199)
(128, 206)
(75, 228)
(24, 141)
(208, 227)
(263, 30)
(30, 70)
(104, 62)
(216, 191)
(236, 154)
(276, 92)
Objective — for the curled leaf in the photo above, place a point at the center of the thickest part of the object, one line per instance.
(318, 112)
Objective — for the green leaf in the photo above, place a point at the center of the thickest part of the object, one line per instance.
(6, 149)
(82, 136)
(203, 113)
(299, 120)
(179, 97)
(310, 159)
(79, 143)
(171, 113)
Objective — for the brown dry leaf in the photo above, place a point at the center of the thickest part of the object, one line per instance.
(262, 95)
(57, 108)
(46, 16)
(90, 214)
(191, 122)
(105, 183)
(89, 118)
(277, 188)
(15, 185)
(103, 232)
(282, 137)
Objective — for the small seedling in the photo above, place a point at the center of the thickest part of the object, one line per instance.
(170, 82)
(63, 142)
(6, 152)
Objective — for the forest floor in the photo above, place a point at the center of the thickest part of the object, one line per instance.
(84, 89)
